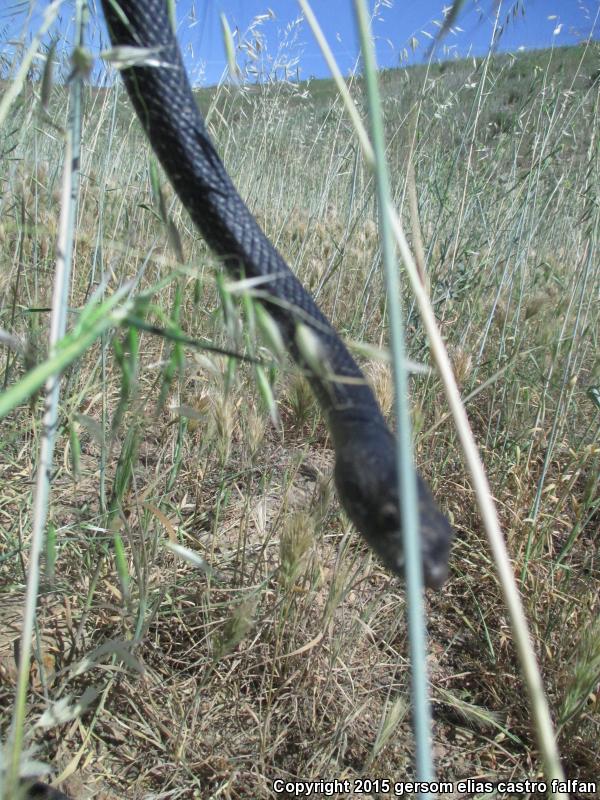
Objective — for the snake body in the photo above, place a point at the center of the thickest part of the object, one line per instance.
(365, 464)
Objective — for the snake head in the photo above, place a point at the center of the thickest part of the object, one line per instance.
(366, 481)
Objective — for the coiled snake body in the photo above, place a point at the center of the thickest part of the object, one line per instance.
(365, 467)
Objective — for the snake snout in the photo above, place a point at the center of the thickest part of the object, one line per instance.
(436, 539)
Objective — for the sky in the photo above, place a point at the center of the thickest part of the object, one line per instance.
(544, 23)
(286, 40)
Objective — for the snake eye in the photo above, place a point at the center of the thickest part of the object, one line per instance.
(388, 515)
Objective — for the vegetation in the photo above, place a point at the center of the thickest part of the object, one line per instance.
(280, 651)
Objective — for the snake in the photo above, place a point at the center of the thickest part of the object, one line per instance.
(365, 471)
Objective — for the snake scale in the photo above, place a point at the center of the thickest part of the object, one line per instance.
(365, 463)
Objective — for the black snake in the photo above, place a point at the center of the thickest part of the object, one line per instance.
(365, 465)
(365, 461)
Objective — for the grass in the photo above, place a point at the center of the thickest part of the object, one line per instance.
(281, 652)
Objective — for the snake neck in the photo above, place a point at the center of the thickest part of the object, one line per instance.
(364, 415)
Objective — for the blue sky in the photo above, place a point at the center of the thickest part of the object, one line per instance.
(544, 23)
(394, 27)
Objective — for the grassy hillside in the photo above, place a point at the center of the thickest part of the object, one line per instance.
(287, 659)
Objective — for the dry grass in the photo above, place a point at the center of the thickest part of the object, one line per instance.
(288, 657)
